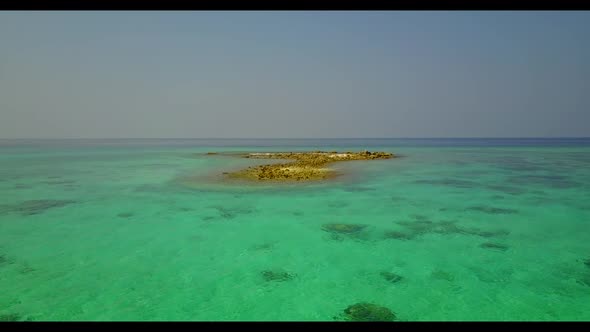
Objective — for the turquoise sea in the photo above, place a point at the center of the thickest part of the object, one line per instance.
(144, 230)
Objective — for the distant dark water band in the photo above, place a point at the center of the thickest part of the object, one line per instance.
(331, 142)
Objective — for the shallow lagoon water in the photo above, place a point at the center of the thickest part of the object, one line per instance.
(143, 230)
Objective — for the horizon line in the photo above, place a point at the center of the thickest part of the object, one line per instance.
(292, 138)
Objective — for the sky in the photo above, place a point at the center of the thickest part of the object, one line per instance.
(322, 74)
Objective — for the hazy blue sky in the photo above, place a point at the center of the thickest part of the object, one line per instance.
(294, 74)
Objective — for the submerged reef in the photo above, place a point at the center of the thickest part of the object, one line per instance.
(422, 226)
(263, 247)
(492, 210)
(399, 235)
(33, 207)
(457, 183)
(584, 280)
(304, 167)
(280, 276)
(391, 277)
(358, 189)
(67, 182)
(494, 246)
(340, 232)
(14, 318)
(232, 212)
(507, 189)
(343, 228)
(442, 275)
(4, 260)
(368, 312)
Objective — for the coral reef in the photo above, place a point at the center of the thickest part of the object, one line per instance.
(442, 275)
(358, 189)
(368, 312)
(391, 277)
(3, 259)
(495, 246)
(14, 318)
(507, 189)
(280, 276)
(232, 212)
(422, 226)
(500, 232)
(399, 235)
(343, 228)
(492, 210)
(262, 247)
(457, 183)
(33, 207)
(68, 182)
(338, 204)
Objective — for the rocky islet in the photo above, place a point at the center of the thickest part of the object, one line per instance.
(305, 166)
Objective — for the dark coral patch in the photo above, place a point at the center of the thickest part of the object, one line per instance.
(449, 183)
(391, 277)
(343, 228)
(442, 275)
(358, 189)
(584, 280)
(551, 181)
(263, 247)
(4, 260)
(59, 182)
(494, 246)
(232, 212)
(13, 318)
(368, 312)
(33, 207)
(338, 204)
(492, 210)
(421, 227)
(279, 276)
(418, 227)
(486, 234)
(507, 189)
(399, 235)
